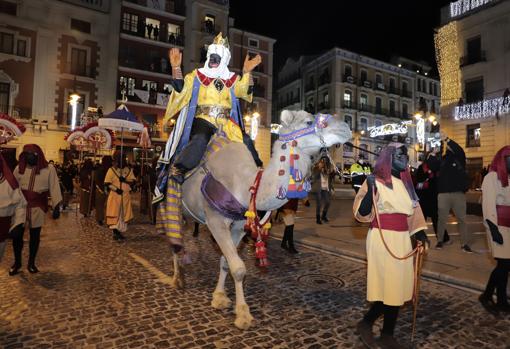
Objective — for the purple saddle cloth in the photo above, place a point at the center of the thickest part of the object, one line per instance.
(221, 199)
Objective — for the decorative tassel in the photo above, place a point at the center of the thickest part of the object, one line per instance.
(249, 214)
(282, 193)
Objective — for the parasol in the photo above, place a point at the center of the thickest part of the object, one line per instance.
(9, 128)
(120, 120)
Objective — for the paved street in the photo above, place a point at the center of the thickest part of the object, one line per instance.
(95, 293)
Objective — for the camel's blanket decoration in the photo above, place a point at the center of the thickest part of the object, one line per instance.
(9, 128)
(91, 136)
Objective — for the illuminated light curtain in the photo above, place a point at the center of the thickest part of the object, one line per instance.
(448, 58)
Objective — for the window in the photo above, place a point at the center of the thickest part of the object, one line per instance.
(363, 101)
(392, 108)
(149, 85)
(78, 61)
(348, 120)
(4, 97)
(21, 48)
(253, 43)
(80, 107)
(378, 79)
(348, 70)
(474, 90)
(418, 85)
(127, 84)
(80, 25)
(6, 43)
(473, 135)
(405, 88)
(392, 85)
(405, 110)
(167, 88)
(347, 98)
(209, 24)
(435, 90)
(363, 75)
(129, 22)
(378, 105)
(8, 7)
(174, 32)
(424, 86)
(363, 124)
(474, 50)
(377, 123)
(431, 89)
(152, 28)
(325, 98)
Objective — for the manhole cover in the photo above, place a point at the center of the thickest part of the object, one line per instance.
(321, 281)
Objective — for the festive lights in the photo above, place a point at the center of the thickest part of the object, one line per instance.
(447, 57)
(389, 129)
(460, 7)
(483, 109)
(420, 131)
(254, 126)
(73, 101)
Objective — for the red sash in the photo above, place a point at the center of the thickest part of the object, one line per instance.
(392, 221)
(35, 199)
(503, 213)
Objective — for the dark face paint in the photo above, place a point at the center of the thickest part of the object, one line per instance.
(214, 60)
(507, 160)
(400, 159)
(31, 158)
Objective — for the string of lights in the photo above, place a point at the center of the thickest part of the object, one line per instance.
(483, 109)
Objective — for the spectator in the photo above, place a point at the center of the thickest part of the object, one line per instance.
(289, 214)
(359, 172)
(86, 186)
(100, 191)
(156, 32)
(171, 38)
(150, 27)
(452, 187)
(426, 188)
(322, 185)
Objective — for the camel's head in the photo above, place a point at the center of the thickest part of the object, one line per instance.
(313, 133)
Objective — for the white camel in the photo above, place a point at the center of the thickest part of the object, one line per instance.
(233, 166)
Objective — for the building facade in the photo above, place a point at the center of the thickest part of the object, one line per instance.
(473, 55)
(50, 50)
(365, 92)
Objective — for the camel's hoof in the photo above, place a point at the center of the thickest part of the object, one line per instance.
(220, 300)
(243, 318)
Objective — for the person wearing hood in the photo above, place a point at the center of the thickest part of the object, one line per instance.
(12, 206)
(207, 99)
(118, 181)
(388, 202)
(38, 181)
(100, 194)
(496, 218)
(86, 185)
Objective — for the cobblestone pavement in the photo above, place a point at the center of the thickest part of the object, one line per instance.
(92, 292)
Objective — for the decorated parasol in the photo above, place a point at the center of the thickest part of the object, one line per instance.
(120, 120)
(9, 128)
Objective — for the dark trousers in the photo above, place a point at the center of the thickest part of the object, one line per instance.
(390, 316)
(201, 133)
(17, 245)
(498, 281)
(323, 198)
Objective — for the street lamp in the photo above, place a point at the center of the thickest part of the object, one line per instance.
(73, 101)
(254, 126)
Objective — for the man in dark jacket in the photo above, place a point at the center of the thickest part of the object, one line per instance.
(452, 186)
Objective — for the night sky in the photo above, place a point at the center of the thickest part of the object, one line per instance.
(377, 28)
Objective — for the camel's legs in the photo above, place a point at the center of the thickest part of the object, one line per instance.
(178, 277)
(220, 228)
(220, 299)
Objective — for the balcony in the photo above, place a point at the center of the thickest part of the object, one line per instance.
(259, 91)
(208, 27)
(349, 105)
(380, 86)
(394, 91)
(324, 79)
(17, 112)
(323, 106)
(406, 93)
(176, 39)
(349, 79)
(366, 83)
(259, 68)
(155, 67)
(79, 70)
(149, 97)
(473, 58)
(310, 87)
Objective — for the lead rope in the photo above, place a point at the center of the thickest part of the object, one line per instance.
(418, 251)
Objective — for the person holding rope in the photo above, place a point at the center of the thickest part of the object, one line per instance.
(388, 201)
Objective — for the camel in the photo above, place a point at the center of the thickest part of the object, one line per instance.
(233, 166)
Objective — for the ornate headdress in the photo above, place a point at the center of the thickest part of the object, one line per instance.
(220, 40)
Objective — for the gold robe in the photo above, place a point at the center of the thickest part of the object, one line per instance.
(209, 96)
(390, 280)
(494, 194)
(46, 180)
(118, 206)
